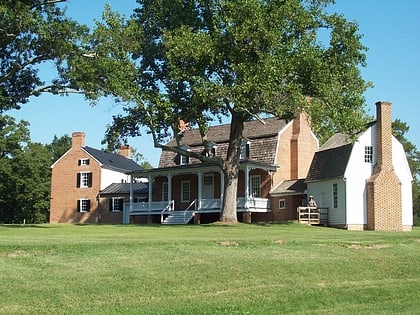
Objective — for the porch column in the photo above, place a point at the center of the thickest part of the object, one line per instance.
(222, 188)
(200, 188)
(169, 176)
(126, 213)
(247, 169)
(150, 193)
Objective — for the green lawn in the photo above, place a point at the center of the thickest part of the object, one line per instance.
(207, 269)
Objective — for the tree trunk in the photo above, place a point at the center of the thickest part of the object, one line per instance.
(231, 171)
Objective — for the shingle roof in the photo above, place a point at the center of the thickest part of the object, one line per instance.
(263, 141)
(113, 161)
(290, 187)
(329, 163)
(124, 188)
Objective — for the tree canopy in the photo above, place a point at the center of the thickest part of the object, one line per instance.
(31, 33)
(207, 61)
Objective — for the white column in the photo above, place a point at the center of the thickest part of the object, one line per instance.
(222, 188)
(169, 187)
(246, 185)
(150, 178)
(200, 188)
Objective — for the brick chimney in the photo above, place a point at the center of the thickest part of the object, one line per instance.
(125, 150)
(77, 140)
(383, 188)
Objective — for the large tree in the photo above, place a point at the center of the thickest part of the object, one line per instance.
(31, 33)
(212, 60)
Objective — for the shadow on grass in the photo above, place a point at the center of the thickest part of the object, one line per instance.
(17, 226)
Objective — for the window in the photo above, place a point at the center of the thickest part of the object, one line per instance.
(255, 186)
(335, 196)
(165, 195)
(184, 160)
(84, 179)
(244, 149)
(83, 162)
(368, 154)
(185, 191)
(83, 205)
(116, 204)
(282, 204)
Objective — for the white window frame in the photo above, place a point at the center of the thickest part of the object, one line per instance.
(255, 186)
(83, 205)
(245, 148)
(84, 179)
(282, 204)
(368, 154)
(84, 162)
(114, 199)
(335, 195)
(185, 191)
(165, 191)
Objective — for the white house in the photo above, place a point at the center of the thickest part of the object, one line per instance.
(366, 184)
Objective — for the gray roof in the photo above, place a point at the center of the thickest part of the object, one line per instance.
(330, 163)
(263, 141)
(290, 187)
(124, 188)
(112, 160)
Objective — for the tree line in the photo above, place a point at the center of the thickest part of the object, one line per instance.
(201, 61)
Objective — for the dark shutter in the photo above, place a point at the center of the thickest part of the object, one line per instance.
(78, 180)
(79, 162)
(78, 205)
(110, 204)
(87, 161)
(178, 159)
(89, 179)
(247, 150)
(87, 205)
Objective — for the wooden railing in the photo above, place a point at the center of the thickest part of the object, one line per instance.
(313, 215)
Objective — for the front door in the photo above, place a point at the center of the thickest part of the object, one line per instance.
(208, 186)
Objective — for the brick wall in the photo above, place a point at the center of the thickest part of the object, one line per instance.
(384, 203)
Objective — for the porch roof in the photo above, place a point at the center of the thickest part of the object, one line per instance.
(193, 168)
(289, 188)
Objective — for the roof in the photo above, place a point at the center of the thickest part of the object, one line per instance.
(112, 160)
(124, 188)
(329, 163)
(290, 187)
(263, 141)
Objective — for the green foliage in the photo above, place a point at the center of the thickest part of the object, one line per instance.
(32, 32)
(25, 170)
(399, 130)
(214, 269)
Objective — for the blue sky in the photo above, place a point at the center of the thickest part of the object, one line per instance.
(390, 29)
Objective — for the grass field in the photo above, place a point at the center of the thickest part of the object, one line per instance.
(207, 269)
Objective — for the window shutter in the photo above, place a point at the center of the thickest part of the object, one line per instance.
(89, 179)
(78, 205)
(178, 159)
(79, 162)
(87, 205)
(110, 204)
(87, 161)
(247, 150)
(78, 180)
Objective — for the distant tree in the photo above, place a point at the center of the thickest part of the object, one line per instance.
(399, 130)
(31, 33)
(204, 61)
(59, 146)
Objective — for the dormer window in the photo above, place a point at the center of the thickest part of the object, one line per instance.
(183, 159)
(210, 149)
(245, 149)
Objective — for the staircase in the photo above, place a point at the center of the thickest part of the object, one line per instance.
(178, 217)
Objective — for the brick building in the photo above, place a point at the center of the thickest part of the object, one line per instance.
(79, 176)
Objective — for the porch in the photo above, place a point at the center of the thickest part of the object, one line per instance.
(167, 212)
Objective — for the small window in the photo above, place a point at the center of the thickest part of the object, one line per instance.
(184, 160)
(368, 154)
(165, 195)
(185, 191)
(83, 162)
(282, 204)
(84, 179)
(255, 186)
(116, 204)
(335, 196)
(83, 205)
(244, 149)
